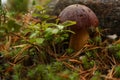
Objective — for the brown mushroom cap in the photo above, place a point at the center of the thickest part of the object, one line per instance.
(92, 17)
(83, 16)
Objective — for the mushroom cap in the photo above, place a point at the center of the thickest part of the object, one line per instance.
(83, 16)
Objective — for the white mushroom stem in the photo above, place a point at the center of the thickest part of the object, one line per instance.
(79, 39)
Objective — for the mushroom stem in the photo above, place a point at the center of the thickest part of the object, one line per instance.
(79, 39)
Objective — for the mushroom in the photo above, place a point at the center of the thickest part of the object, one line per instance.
(84, 18)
